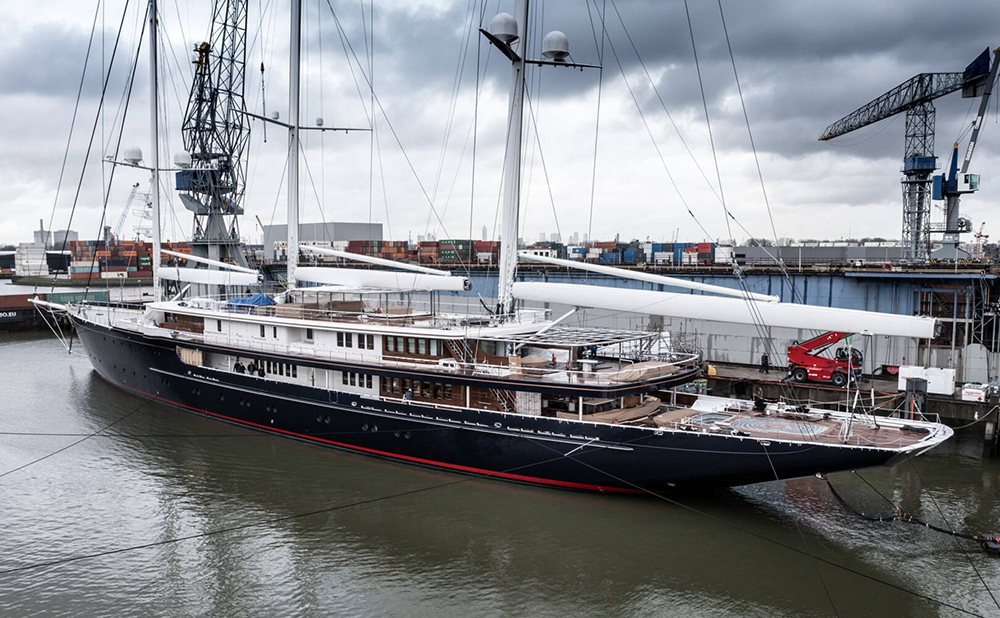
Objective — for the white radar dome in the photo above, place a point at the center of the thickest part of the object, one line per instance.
(133, 155)
(504, 27)
(182, 160)
(274, 115)
(319, 121)
(555, 46)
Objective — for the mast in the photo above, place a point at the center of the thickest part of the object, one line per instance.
(154, 127)
(512, 171)
(293, 141)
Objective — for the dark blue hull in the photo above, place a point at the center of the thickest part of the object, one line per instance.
(514, 447)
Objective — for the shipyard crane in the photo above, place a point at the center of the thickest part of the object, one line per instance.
(216, 134)
(117, 231)
(915, 97)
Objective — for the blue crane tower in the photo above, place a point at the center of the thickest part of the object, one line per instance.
(915, 97)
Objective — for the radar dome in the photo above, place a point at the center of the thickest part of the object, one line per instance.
(555, 46)
(133, 155)
(504, 27)
(182, 160)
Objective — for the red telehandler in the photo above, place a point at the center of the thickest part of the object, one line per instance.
(804, 363)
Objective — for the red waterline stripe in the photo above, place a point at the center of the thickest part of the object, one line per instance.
(430, 462)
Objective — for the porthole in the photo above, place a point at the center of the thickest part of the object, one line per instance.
(319, 418)
(222, 397)
(407, 435)
(364, 427)
(397, 433)
(327, 420)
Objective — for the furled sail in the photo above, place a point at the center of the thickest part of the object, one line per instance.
(734, 310)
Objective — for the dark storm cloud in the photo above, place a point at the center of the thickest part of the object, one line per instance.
(45, 60)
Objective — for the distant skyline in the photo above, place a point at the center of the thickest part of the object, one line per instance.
(802, 66)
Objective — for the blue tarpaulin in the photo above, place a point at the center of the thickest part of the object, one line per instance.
(257, 300)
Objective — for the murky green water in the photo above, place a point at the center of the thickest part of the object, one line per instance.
(316, 532)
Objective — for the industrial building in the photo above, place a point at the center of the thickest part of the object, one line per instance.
(309, 232)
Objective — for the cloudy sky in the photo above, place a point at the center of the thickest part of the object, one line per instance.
(801, 65)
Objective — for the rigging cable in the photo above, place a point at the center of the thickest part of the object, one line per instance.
(72, 444)
(597, 121)
(72, 125)
(988, 542)
(758, 535)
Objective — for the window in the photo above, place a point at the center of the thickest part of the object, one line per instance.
(421, 346)
(353, 378)
(399, 345)
(438, 391)
(295, 371)
(309, 334)
(340, 340)
(281, 369)
(407, 384)
(411, 345)
(269, 369)
(434, 347)
(447, 392)
(348, 337)
(371, 342)
(368, 381)
(274, 332)
(386, 386)
(218, 325)
(395, 385)
(343, 377)
(261, 330)
(416, 387)
(389, 344)
(426, 392)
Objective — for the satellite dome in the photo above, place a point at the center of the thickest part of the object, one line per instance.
(319, 121)
(555, 46)
(133, 155)
(274, 115)
(182, 160)
(504, 27)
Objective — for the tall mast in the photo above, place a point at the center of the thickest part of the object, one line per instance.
(293, 141)
(154, 127)
(512, 171)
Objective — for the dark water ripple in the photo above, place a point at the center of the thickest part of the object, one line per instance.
(477, 548)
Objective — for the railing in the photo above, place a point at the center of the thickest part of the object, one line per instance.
(381, 315)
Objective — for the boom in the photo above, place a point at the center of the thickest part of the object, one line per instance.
(915, 91)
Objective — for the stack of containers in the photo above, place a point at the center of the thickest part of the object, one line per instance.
(427, 251)
(29, 260)
(364, 247)
(487, 251)
(451, 251)
(706, 253)
(83, 260)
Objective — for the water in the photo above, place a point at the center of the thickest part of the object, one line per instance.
(386, 539)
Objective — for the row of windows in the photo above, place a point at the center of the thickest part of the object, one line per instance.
(416, 388)
(274, 331)
(364, 380)
(262, 368)
(411, 345)
(365, 342)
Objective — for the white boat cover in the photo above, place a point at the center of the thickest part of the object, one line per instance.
(734, 310)
(381, 279)
(209, 277)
